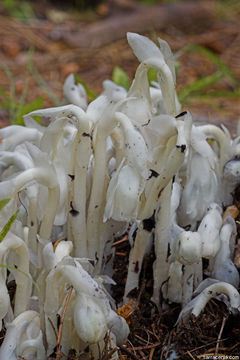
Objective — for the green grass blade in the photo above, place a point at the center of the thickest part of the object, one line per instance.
(22, 272)
(91, 94)
(214, 59)
(120, 78)
(40, 80)
(8, 225)
(27, 108)
(4, 95)
(12, 96)
(4, 202)
(221, 93)
(199, 85)
(152, 75)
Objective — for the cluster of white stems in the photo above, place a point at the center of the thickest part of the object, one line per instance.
(128, 160)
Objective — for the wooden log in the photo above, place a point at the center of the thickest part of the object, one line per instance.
(142, 19)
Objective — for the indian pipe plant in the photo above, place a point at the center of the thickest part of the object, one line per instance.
(128, 161)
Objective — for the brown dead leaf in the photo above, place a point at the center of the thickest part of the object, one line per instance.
(237, 254)
(232, 211)
(69, 68)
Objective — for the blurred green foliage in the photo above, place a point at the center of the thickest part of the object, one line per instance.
(91, 94)
(203, 87)
(120, 78)
(17, 107)
(18, 9)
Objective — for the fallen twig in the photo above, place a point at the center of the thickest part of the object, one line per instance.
(220, 334)
(59, 337)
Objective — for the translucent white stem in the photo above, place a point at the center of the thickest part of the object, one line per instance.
(50, 213)
(97, 198)
(135, 261)
(213, 290)
(161, 244)
(169, 169)
(77, 217)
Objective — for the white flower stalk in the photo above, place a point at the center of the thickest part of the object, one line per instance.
(58, 149)
(197, 304)
(169, 164)
(179, 145)
(51, 256)
(187, 283)
(21, 160)
(190, 248)
(156, 99)
(23, 338)
(174, 291)
(149, 54)
(113, 91)
(32, 347)
(91, 315)
(44, 174)
(199, 190)
(168, 57)
(223, 268)
(135, 261)
(136, 150)
(189, 253)
(102, 115)
(89, 320)
(123, 194)
(159, 130)
(75, 93)
(161, 244)
(22, 276)
(231, 178)
(5, 306)
(79, 167)
(138, 105)
(224, 142)
(212, 291)
(209, 231)
(126, 160)
(16, 160)
(15, 135)
(127, 182)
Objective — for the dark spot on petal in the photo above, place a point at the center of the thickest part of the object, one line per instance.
(92, 262)
(58, 320)
(168, 251)
(87, 135)
(108, 258)
(149, 224)
(73, 211)
(146, 122)
(133, 293)
(87, 349)
(153, 174)
(181, 114)
(136, 267)
(72, 177)
(182, 147)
